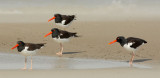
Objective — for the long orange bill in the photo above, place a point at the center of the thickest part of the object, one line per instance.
(112, 42)
(48, 34)
(15, 46)
(51, 19)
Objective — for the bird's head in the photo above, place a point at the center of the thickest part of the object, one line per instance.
(54, 32)
(19, 43)
(118, 39)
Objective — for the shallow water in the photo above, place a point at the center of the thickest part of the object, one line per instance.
(16, 61)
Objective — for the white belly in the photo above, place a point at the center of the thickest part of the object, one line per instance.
(61, 40)
(28, 53)
(127, 47)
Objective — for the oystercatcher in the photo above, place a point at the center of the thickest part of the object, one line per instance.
(27, 49)
(130, 44)
(61, 36)
(63, 20)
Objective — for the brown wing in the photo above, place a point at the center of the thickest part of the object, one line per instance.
(68, 18)
(136, 41)
(34, 46)
(66, 34)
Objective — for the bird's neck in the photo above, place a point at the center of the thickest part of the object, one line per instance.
(20, 48)
(123, 42)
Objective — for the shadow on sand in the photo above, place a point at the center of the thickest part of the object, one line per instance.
(140, 60)
(73, 52)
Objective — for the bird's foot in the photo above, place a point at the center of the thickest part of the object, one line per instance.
(59, 54)
(24, 68)
(30, 69)
(130, 63)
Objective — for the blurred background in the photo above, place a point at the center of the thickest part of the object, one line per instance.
(12, 11)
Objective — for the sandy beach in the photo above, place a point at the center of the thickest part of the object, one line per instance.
(92, 44)
(93, 40)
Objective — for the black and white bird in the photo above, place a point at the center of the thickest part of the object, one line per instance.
(130, 44)
(27, 49)
(61, 36)
(63, 20)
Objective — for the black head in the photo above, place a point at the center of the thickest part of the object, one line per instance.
(58, 18)
(55, 32)
(120, 39)
(20, 46)
(57, 15)
(20, 43)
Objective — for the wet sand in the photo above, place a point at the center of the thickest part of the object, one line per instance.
(16, 61)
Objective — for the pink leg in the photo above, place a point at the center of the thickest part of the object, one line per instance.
(61, 50)
(31, 63)
(132, 58)
(25, 63)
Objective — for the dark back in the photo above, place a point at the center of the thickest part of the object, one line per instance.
(136, 41)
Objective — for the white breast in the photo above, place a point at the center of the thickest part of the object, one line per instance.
(25, 52)
(61, 40)
(127, 47)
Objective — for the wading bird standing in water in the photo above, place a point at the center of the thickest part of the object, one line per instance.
(130, 44)
(27, 49)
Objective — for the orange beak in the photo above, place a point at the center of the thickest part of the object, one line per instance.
(112, 42)
(15, 46)
(48, 34)
(51, 19)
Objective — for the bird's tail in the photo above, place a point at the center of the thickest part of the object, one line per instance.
(41, 44)
(73, 17)
(144, 41)
(74, 35)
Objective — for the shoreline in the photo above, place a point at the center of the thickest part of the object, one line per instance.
(46, 62)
